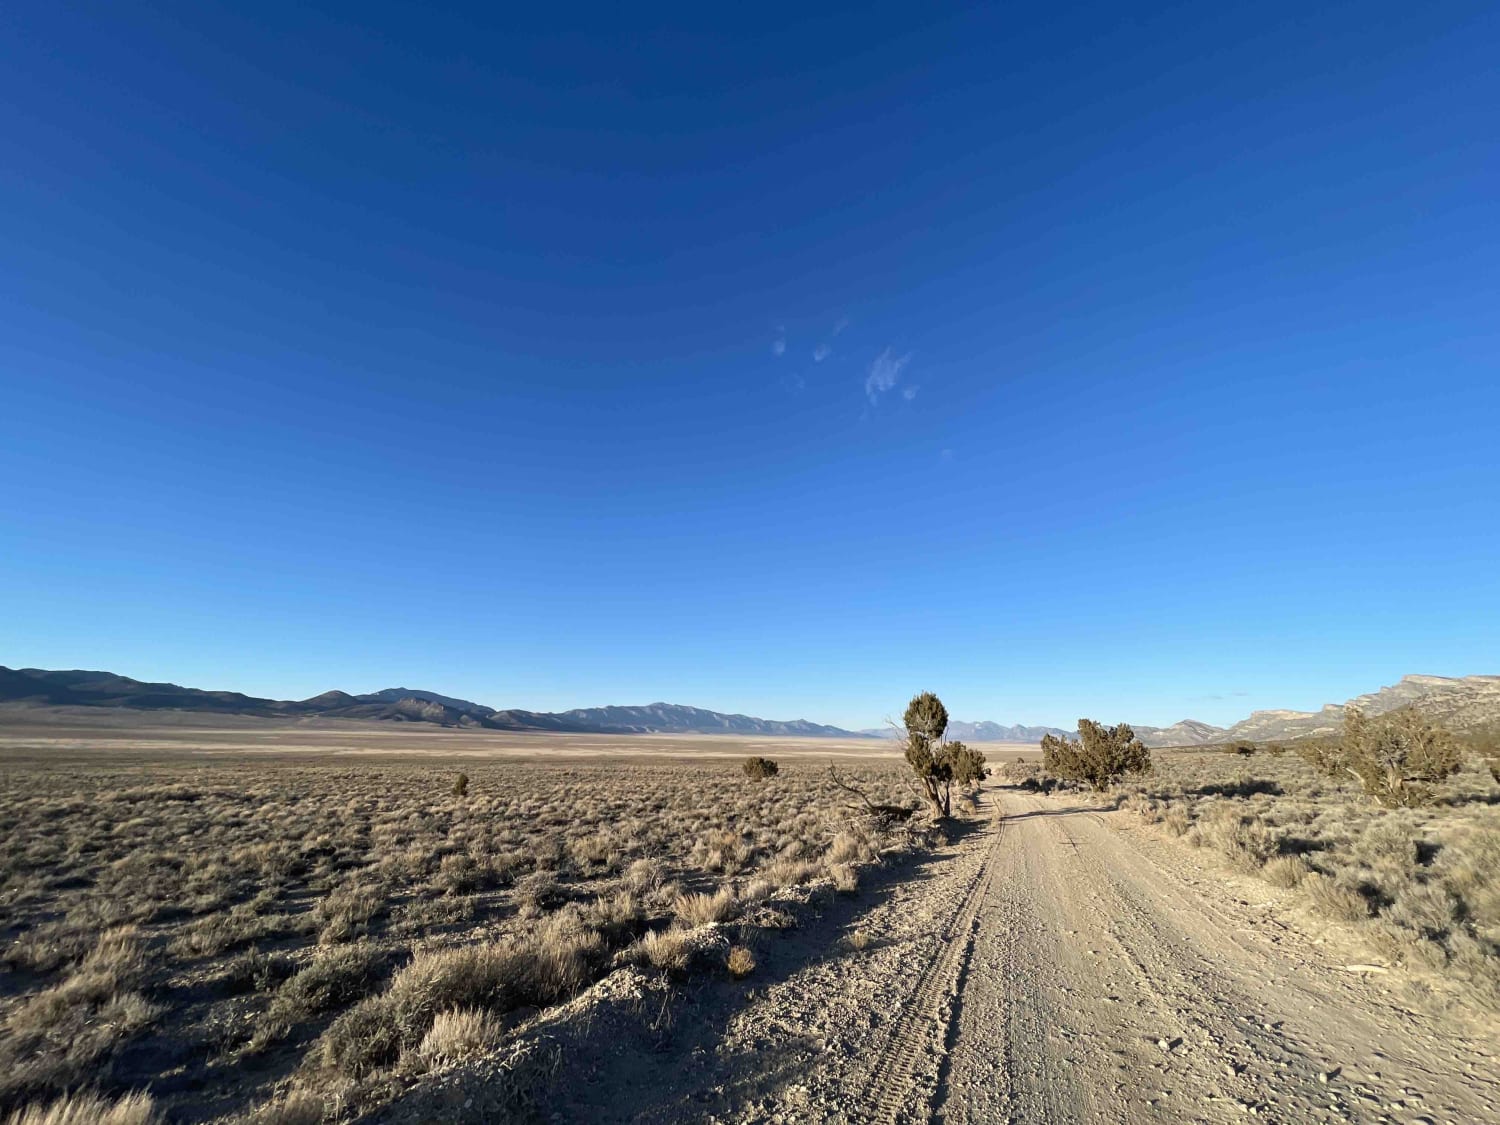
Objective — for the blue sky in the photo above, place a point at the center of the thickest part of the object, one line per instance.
(1064, 359)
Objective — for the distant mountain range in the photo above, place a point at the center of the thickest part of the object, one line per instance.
(1462, 703)
(39, 687)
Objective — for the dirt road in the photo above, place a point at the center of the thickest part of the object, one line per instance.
(1073, 968)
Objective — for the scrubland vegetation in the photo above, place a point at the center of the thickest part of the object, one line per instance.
(298, 942)
(1393, 829)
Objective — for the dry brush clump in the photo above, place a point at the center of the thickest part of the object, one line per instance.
(354, 924)
(1407, 852)
(759, 769)
(90, 1109)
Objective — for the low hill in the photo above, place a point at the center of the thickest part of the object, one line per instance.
(1188, 732)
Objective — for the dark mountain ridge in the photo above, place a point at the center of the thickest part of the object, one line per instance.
(80, 688)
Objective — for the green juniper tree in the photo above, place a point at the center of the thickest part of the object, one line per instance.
(938, 764)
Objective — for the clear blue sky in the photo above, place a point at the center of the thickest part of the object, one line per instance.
(788, 359)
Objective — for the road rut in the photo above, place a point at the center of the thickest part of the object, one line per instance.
(1085, 973)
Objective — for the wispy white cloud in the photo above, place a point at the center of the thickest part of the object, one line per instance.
(840, 324)
(884, 373)
(909, 393)
(821, 352)
(778, 346)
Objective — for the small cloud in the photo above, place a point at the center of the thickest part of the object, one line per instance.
(778, 347)
(946, 455)
(883, 374)
(841, 324)
(821, 352)
(909, 393)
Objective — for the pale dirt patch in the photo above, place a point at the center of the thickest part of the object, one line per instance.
(1056, 964)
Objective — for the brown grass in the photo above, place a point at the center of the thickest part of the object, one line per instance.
(89, 1109)
(1422, 883)
(263, 920)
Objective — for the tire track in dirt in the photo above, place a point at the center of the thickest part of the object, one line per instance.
(1105, 987)
(909, 1071)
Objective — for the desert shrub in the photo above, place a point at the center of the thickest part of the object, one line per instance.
(254, 971)
(701, 909)
(1388, 844)
(667, 950)
(740, 962)
(1484, 744)
(90, 1109)
(333, 979)
(1426, 909)
(1100, 757)
(1020, 771)
(499, 976)
(461, 785)
(456, 1034)
(845, 878)
(1240, 836)
(1176, 822)
(965, 763)
(759, 769)
(53, 1038)
(1470, 867)
(1285, 871)
(645, 875)
(790, 872)
(1331, 898)
(233, 929)
(598, 850)
(297, 1107)
(853, 847)
(1395, 757)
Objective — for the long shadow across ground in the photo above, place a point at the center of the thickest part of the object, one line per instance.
(658, 1057)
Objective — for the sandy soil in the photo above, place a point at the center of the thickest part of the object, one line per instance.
(1056, 964)
(1080, 970)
